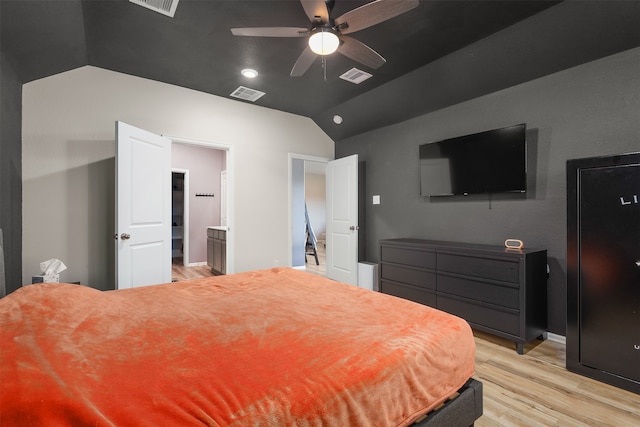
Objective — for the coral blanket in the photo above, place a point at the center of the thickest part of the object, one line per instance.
(276, 347)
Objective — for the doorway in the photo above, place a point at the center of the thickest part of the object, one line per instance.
(307, 192)
(143, 220)
(202, 166)
(179, 216)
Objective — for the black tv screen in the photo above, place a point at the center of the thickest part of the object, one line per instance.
(482, 163)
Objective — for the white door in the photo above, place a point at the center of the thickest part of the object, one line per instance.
(342, 220)
(143, 207)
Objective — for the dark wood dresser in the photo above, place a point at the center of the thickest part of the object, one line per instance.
(497, 290)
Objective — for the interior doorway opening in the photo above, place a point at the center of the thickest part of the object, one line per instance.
(204, 200)
(307, 212)
(179, 216)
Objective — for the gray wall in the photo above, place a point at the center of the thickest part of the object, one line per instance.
(590, 110)
(11, 172)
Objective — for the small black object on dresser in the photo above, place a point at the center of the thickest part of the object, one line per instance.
(497, 290)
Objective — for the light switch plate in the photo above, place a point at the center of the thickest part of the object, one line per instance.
(376, 200)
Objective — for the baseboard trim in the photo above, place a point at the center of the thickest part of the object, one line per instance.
(560, 339)
(196, 264)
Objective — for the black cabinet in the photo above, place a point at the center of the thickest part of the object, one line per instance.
(497, 290)
(603, 269)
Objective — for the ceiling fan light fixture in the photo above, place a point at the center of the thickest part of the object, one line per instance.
(324, 41)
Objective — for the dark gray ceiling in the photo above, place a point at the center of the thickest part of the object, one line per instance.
(432, 60)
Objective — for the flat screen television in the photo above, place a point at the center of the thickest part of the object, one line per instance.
(493, 161)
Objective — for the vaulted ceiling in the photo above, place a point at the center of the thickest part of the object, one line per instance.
(439, 53)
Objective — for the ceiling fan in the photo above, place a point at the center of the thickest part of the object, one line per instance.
(327, 35)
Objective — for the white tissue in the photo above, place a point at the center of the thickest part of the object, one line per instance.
(52, 266)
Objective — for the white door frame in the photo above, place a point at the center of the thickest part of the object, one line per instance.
(296, 156)
(230, 153)
(185, 215)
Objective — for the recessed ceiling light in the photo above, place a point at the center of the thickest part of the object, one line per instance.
(249, 73)
(337, 119)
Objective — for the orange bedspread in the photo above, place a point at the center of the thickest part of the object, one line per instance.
(274, 347)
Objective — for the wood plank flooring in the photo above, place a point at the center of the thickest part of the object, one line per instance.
(529, 390)
(179, 272)
(535, 389)
(311, 267)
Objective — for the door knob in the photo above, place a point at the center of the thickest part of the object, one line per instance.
(125, 236)
(638, 263)
(354, 227)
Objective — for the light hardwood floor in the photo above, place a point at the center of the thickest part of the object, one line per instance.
(535, 389)
(529, 390)
(179, 272)
(310, 265)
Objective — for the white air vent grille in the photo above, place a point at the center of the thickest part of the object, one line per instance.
(165, 7)
(247, 94)
(355, 76)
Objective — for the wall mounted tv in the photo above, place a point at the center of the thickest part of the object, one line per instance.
(488, 162)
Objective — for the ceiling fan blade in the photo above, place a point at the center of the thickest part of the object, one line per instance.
(373, 13)
(271, 31)
(306, 58)
(315, 8)
(360, 52)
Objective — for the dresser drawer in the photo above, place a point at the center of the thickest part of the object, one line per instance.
(408, 256)
(412, 276)
(505, 296)
(507, 321)
(476, 266)
(419, 295)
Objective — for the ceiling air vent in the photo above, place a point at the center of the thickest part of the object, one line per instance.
(165, 7)
(247, 94)
(355, 76)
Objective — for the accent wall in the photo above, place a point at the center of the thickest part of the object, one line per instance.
(589, 110)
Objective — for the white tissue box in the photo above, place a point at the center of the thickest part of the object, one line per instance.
(48, 278)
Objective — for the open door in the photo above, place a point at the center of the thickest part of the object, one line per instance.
(342, 220)
(143, 207)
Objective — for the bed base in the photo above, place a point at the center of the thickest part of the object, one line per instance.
(460, 411)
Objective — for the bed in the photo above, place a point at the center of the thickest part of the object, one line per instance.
(276, 347)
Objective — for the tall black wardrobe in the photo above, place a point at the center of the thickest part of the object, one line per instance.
(603, 269)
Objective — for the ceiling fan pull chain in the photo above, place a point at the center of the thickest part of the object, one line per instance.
(324, 67)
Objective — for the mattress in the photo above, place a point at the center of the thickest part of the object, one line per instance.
(276, 347)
